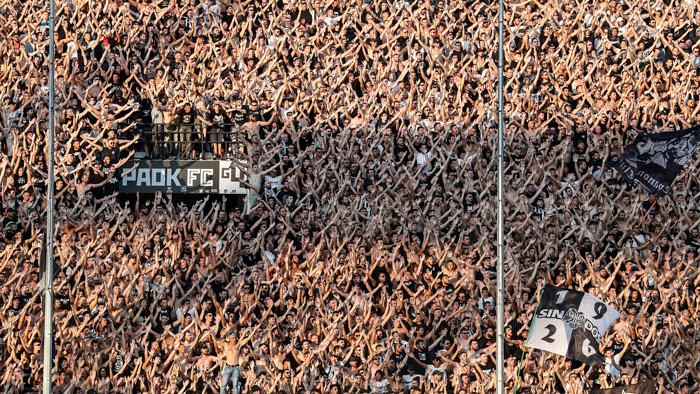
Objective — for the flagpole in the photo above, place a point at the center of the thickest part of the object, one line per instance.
(48, 249)
(499, 279)
(529, 332)
(649, 211)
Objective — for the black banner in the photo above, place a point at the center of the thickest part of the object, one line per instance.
(656, 159)
(647, 387)
(183, 177)
(572, 324)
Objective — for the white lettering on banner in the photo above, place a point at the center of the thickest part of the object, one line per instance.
(561, 295)
(153, 177)
(158, 177)
(144, 177)
(551, 313)
(196, 178)
(172, 177)
(205, 177)
(230, 178)
(660, 186)
(626, 169)
(130, 177)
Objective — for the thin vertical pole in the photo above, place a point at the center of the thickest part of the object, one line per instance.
(48, 249)
(499, 295)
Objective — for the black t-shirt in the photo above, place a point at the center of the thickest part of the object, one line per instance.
(512, 350)
(112, 184)
(249, 260)
(64, 300)
(20, 181)
(219, 118)
(411, 285)
(650, 207)
(186, 117)
(39, 184)
(692, 241)
(518, 157)
(145, 108)
(255, 113)
(485, 342)
(611, 249)
(422, 356)
(113, 153)
(238, 116)
(282, 194)
(24, 299)
(488, 367)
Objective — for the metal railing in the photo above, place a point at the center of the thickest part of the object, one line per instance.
(172, 141)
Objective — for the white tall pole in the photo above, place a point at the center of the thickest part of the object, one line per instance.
(48, 247)
(499, 279)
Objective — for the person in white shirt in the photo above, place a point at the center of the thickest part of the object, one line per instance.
(274, 179)
(612, 360)
(329, 19)
(436, 366)
(485, 297)
(424, 157)
(379, 383)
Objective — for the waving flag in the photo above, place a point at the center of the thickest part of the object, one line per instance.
(572, 324)
(656, 159)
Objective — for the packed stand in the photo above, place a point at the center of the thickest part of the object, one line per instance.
(364, 258)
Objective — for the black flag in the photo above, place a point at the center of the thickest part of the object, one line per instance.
(647, 387)
(656, 159)
(572, 324)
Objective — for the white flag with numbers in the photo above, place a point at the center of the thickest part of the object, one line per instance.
(572, 324)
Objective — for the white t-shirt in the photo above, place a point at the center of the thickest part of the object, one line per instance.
(431, 369)
(482, 301)
(610, 368)
(408, 379)
(379, 386)
(330, 21)
(274, 182)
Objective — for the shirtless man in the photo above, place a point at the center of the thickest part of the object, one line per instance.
(229, 356)
(206, 360)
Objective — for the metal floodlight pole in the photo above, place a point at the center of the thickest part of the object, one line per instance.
(48, 236)
(499, 280)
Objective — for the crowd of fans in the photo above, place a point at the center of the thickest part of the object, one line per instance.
(364, 257)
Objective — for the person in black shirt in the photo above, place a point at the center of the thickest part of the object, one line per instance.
(218, 118)
(112, 149)
(286, 191)
(142, 116)
(238, 112)
(486, 363)
(114, 179)
(185, 116)
(63, 299)
(247, 260)
(421, 357)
